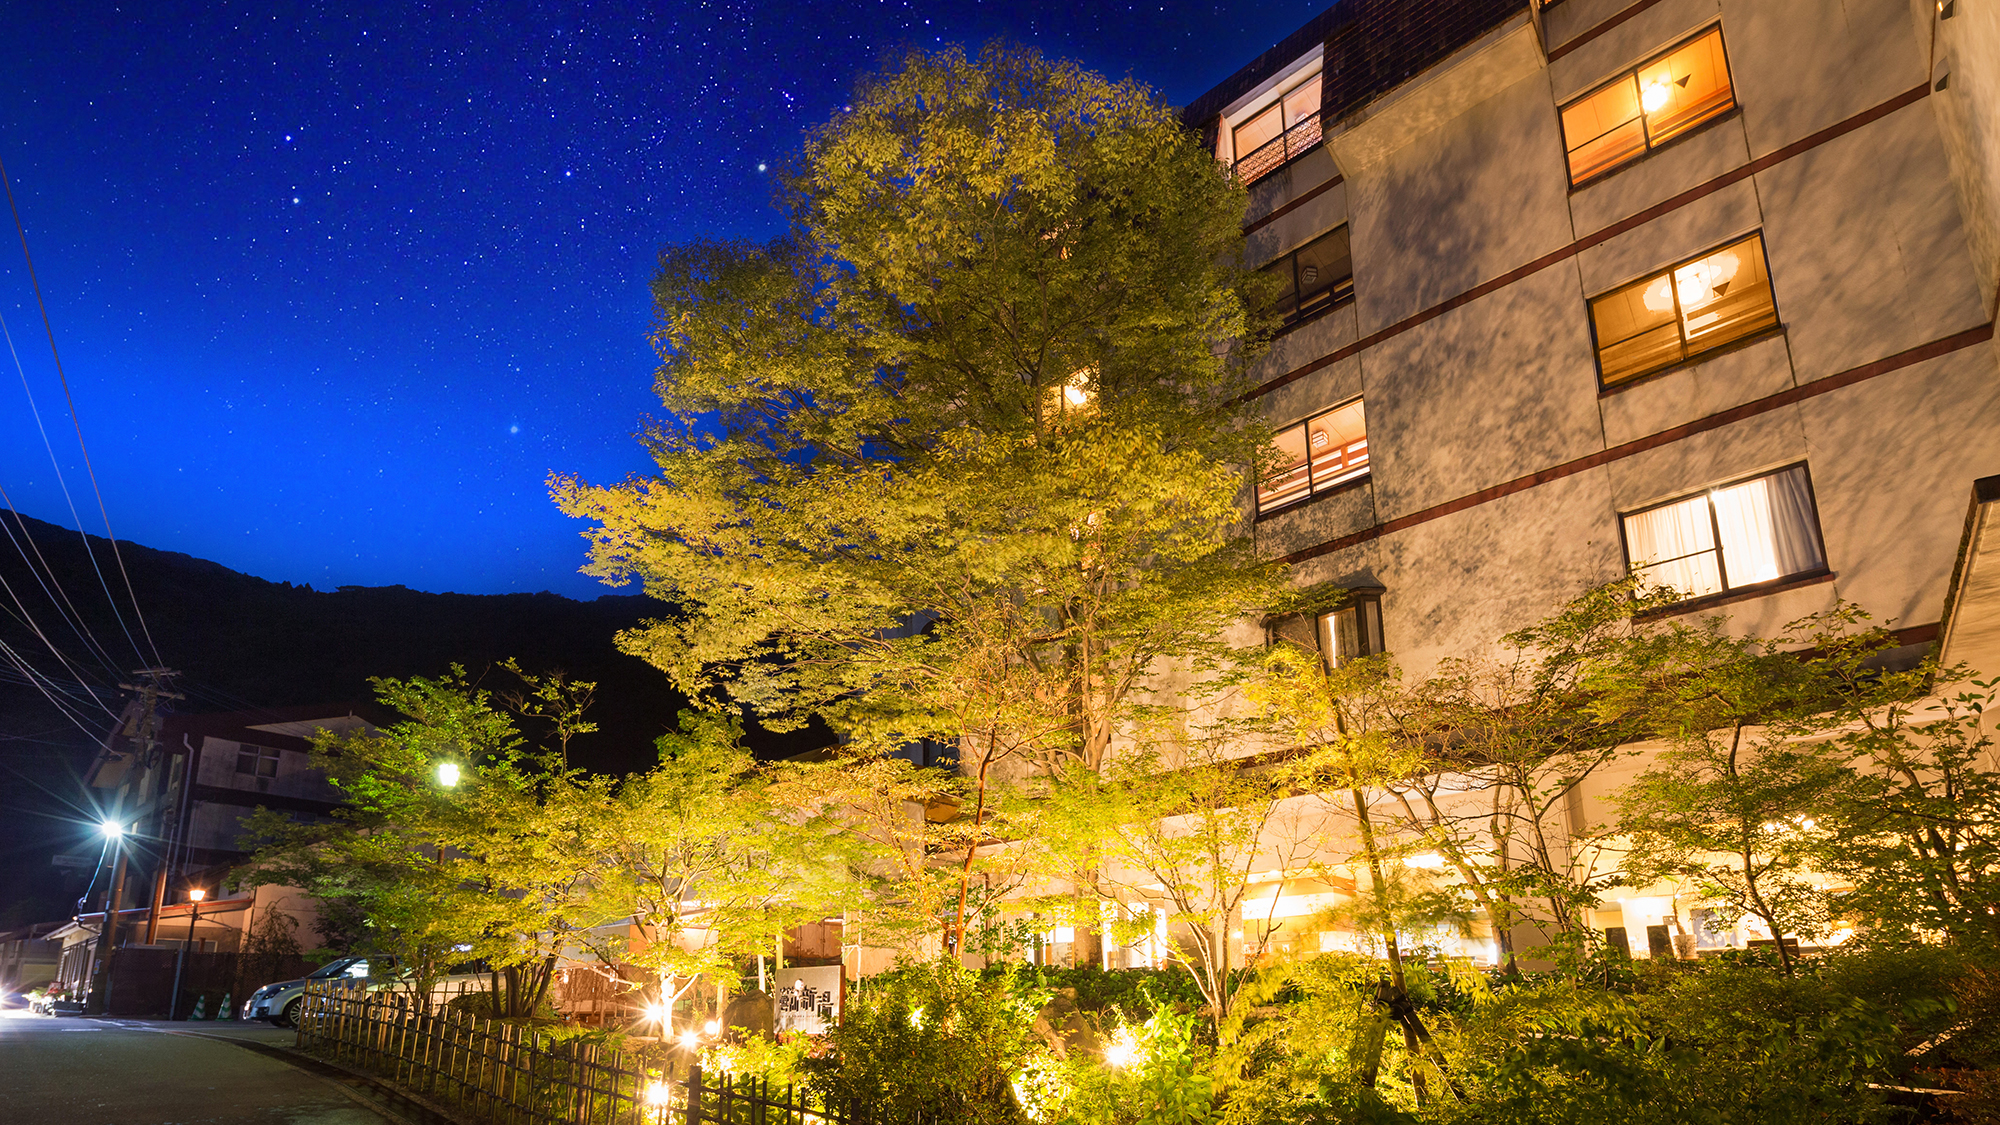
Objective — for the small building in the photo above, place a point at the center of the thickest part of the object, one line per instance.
(181, 790)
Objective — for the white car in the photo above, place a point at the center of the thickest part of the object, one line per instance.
(374, 972)
(279, 1001)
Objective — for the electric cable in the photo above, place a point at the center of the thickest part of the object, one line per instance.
(34, 678)
(26, 618)
(91, 470)
(35, 411)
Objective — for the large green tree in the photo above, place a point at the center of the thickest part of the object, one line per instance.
(958, 456)
(976, 409)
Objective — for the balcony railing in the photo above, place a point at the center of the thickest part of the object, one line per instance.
(1277, 152)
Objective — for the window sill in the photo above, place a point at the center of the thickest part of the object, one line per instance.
(1740, 594)
(1692, 361)
(1291, 326)
(1309, 500)
(1596, 178)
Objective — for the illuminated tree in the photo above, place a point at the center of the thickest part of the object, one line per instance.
(958, 456)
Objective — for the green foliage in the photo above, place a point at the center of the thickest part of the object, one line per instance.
(526, 857)
(1719, 1043)
(932, 1039)
(1918, 827)
(706, 854)
(968, 437)
(761, 1057)
(957, 457)
(1135, 992)
(1185, 836)
(1165, 1079)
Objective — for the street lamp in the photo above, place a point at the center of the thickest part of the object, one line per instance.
(447, 774)
(195, 895)
(98, 999)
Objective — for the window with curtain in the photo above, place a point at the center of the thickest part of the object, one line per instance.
(1316, 455)
(1647, 106)
(1700, 305)
(1316, 276)
(1745, 534)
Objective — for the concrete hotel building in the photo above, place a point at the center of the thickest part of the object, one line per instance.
(1701, 289)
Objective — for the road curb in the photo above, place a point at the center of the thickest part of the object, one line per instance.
(389, 1100)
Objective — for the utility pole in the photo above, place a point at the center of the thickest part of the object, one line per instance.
(152, 688)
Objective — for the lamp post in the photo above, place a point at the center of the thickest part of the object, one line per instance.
(195, 896)
(98, 1000)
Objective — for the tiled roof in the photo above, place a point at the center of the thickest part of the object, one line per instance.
(1372, 47)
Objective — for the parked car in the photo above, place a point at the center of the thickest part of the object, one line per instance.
(279, 1002)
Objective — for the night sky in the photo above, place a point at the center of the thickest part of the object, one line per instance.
(335, 291)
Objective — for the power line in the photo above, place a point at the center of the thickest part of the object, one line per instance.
(89, 469)
(71, 616)
(62, 482)
(27, 620)
(46, 689)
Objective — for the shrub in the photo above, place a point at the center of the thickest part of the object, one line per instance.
(1162, 1076)
(931, 1039)
(1136, 992)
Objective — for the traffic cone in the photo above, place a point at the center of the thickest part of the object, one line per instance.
(199, 1000)
(222, 1009)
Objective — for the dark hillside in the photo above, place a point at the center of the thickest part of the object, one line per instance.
(244, 643)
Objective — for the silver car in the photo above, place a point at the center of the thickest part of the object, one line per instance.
(279, 1001)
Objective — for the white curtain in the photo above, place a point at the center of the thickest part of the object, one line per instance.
(1767, 528)
(1674, 546)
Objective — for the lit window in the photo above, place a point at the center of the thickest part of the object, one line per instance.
(1760, 530)
(1647, 106)
(1352, 631)
(256, 761)
(1318, 454)
(1277, 133)
(1348, 632)
(1658, 321)
(1316, 277)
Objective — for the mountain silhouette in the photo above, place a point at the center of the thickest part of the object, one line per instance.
(244, 643)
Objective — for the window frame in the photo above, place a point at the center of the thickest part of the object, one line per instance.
(1632, 72)
(1277, 100)
(1313, 492)
(1366, 601)
(1340, 298)
(257, 757)
(1715, 534)
(1688, 356)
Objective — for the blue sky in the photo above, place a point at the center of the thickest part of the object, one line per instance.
(335, 289)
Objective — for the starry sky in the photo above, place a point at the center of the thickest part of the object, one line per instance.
(336, 286)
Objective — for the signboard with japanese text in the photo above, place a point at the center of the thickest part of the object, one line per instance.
(807, 999)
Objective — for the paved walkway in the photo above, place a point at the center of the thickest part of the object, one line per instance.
(77, 1071)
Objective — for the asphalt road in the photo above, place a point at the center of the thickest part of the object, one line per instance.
(75, 1071)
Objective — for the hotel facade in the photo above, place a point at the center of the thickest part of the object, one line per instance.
(1703, 291)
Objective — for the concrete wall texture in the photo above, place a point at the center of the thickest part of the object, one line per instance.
(1500, 463)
